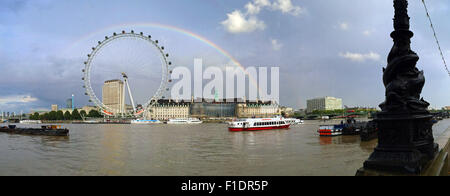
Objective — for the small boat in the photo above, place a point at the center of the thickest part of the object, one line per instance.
(51, 130)
(258, 124)
(145, 122)
(293, 121)
(330, 130)
(184, 121)
(91, 122)
(30, 122)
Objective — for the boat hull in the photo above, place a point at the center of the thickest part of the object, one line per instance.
(325, 133)
(183, 123)
(330, 130)
(30, 122)
(145, 122)
(31, 131)
(237, 129)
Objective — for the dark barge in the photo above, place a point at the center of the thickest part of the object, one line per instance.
(366, 130)
(353, 127)
(51, 130)
(370, 132)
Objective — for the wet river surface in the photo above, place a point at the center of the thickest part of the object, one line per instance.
(204, 149)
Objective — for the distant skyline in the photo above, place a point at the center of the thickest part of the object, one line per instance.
(323, 48)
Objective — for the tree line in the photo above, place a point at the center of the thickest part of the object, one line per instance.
(59, 115)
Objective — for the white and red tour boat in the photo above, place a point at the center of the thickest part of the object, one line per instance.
(258, 124)
(330, 130)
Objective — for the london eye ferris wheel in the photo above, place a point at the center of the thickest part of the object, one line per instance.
(151, 100)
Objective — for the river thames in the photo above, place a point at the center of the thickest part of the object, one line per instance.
(199, 150)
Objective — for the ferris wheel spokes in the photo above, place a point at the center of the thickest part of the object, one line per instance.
(152, 100)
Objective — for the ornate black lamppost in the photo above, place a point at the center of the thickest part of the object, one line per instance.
(405, 138)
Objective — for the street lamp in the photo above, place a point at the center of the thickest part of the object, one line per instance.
(405, 137)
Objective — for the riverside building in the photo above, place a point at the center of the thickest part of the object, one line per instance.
(212, 109)
(324, 103)
(257, 109)
(69, 103)
(113, 96)
(168, 109)
(54, 107)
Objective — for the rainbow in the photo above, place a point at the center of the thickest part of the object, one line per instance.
(175, 29)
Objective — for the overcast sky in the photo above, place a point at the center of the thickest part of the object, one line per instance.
(323, 47)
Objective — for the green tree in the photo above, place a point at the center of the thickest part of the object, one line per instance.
(59, 115)
(52, 115)
(67, 115)
(94, 114)
(44, 116)
(76, 115)
(34, 116)
(83, 113)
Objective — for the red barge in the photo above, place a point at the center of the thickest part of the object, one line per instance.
(258, 124)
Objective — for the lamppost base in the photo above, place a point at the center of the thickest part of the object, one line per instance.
(405, 143)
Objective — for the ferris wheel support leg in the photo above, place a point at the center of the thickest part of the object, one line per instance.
(131, 96)
(123, 106)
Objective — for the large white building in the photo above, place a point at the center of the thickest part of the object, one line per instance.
(113, 96)
(257, 110)
(54, 107)
(324, 103)
(168, 109)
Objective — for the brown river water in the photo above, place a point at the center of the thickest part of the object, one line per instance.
(204, 149)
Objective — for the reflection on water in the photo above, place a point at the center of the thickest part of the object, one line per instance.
(112, 153)
(368, 146)
(205, 149)
(344, 139)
